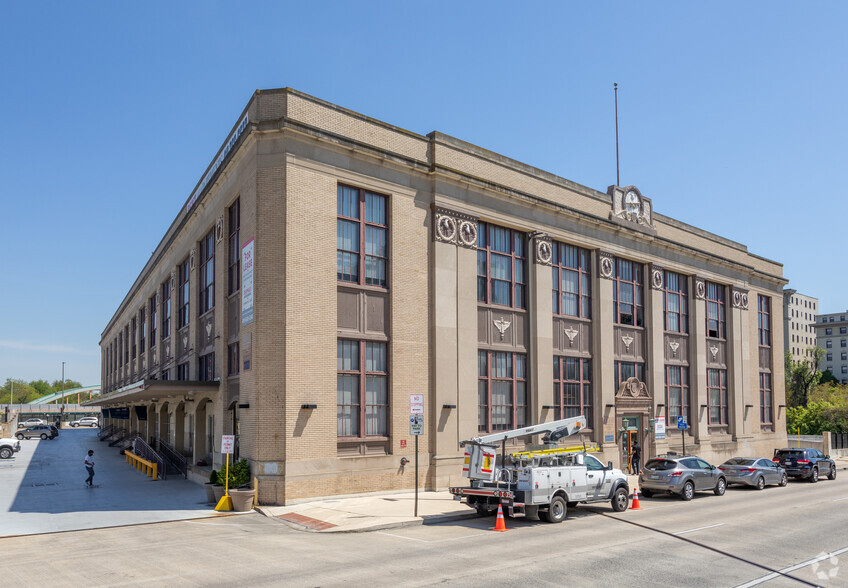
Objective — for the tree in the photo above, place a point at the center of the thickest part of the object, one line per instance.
(828, 377)
(801, 376)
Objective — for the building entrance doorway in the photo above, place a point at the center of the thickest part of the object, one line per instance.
(631, 434)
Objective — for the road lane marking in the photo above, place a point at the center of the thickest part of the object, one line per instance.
(803, 564)
(431, 540)
(838, 499)
(698, 529)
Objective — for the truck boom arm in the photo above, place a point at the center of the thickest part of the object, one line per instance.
(553, 432)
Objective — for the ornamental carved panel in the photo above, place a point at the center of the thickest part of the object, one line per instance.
(700, 289)
(676, 349)
(454, 227)
(605, 264)
(657, 277)
(739, 299)
(544, 250)
(631, 208)
(572, 336)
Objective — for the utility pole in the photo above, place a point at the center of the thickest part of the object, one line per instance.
(63, 389)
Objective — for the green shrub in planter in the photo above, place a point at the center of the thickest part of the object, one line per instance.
(213, 478)
(239, 474)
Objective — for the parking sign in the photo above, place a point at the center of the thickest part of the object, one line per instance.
(681, 422)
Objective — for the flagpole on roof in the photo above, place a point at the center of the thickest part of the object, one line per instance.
(617, 178)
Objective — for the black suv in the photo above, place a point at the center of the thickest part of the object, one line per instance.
(42, 431)
(805, 463)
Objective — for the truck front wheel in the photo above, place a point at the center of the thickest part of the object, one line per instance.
(556, 510)
(620, 500)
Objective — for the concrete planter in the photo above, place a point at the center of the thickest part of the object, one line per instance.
(218, 492)
(210, 492)
(243, 499)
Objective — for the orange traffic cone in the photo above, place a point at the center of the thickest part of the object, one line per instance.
(635, 505)
(500, 525)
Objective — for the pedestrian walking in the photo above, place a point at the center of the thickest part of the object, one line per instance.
(89, 466)
(635, 457)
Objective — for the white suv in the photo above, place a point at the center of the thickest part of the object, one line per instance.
(86, 422)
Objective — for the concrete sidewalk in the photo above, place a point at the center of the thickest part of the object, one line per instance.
(386, 511)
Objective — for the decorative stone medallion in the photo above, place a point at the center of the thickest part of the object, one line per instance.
(656, 277)
(629, 207)
(571, 333)
(740, 299)
(445, 228)
(544, 251)
(468, 233)
(605, 263)
(673, 345)
(192, 257)
(627, 340)
(173, 280)
(700, 289)
(714, 351)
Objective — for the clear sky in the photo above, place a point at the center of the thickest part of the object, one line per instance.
(732, 117)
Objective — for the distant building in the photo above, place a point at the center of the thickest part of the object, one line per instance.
(799, 319)
(328, 266)
(832, 336)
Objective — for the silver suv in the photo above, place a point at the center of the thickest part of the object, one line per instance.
(682, 475)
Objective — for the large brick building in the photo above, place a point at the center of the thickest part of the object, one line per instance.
(328, 265)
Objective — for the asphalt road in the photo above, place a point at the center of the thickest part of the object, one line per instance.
(743, 538)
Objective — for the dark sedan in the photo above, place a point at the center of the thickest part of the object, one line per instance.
(753, 471)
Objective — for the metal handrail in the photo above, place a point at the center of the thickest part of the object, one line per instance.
(145, 451)
(177, 460)
(106, 432)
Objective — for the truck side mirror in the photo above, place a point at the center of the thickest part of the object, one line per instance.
(609, 465)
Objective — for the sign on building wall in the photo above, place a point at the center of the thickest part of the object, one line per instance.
(247, 283)
(659, 427)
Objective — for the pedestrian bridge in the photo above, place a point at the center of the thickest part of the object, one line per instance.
(71, 393)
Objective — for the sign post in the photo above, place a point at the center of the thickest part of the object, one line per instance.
(416, 428)
(227, 443)
(681, 424)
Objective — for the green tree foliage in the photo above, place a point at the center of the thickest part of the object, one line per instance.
(26, 392)
(828, 377)
(827, 410)
(69, 384)
(801, 376)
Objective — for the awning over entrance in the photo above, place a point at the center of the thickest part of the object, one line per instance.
(153, 391)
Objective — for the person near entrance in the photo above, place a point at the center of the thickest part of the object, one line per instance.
(89, 467)
(635, 457)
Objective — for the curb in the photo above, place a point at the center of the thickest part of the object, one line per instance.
(426, 520)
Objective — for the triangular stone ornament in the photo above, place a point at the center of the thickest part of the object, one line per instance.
(502, 326)
(627, 340)
(714, 351)
(571, 333)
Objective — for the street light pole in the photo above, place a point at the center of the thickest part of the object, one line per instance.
(63, 389)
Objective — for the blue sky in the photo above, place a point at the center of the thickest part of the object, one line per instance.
(732, 118)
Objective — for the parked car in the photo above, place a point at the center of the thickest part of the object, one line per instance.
(805, 463)
(682, 475)
(41, 431)
(753, 471)
(8, 448)
(31, 423)
(86, 422)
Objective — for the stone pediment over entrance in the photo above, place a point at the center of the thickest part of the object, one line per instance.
(633, 389)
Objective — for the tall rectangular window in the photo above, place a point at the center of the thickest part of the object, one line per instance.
(627, 293)
(361, 224)
(154, 317)
(717, 396)
(572, 281)
(501, 266)
(352, 379)
(206, 299)
(573, 388)
(628, 369)
(677, 392)
(183, 371)
(763, 320)
(676, 302)
(765, 399)
(234, 248)
(715, 311)
(134, 333)
(142, 335)
(127, 344)
(233, 363)
(166, 309)
(183, 294)
(206, 367)
(501, 391)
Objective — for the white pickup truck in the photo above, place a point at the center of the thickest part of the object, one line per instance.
(9, 447)
(545, 481)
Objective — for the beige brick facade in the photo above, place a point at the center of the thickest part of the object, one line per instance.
(284, 170)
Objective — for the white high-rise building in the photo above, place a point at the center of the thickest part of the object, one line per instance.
(832, 336)
(799, 319)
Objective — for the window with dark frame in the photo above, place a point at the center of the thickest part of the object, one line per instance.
(362, 366)
(127, 344)
(677, 392)
(362, 220)
(766, 417)
(183, 371)
(501, 266)
(628, 369)
(572, 280)
(206, 367)
(142, 334)
(573, 388)
(166, 374)
(183, 294)
(134, 334)
(628, 293)
(501, 391)
(717, 396)
(206, 296)
(715, 311)
(234, 248)
(166, 309)
(675, 302)
(233, 363)
(154, 317)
